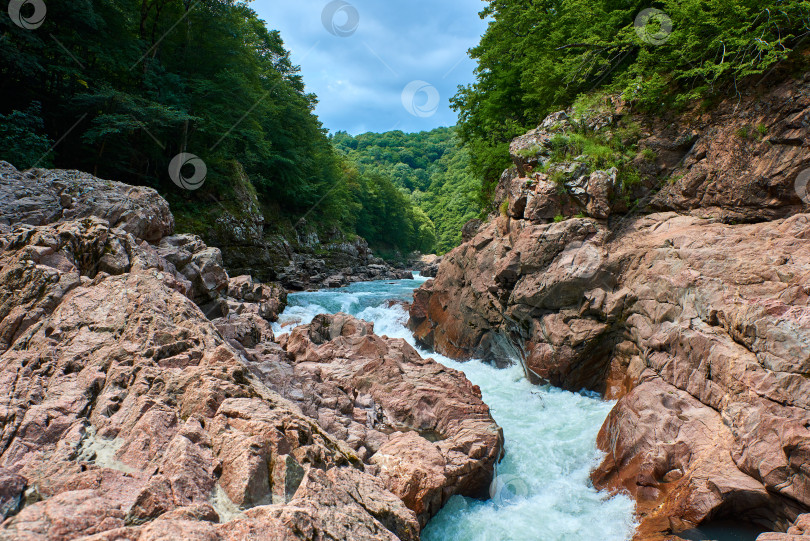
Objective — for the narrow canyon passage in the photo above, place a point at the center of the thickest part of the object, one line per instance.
(542, 490)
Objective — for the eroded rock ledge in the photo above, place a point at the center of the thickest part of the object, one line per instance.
(698, 326)
(144, 396)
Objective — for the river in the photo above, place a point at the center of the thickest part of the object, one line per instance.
(542, 490)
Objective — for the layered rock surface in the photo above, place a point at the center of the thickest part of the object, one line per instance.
(143, 395)
(700, 328)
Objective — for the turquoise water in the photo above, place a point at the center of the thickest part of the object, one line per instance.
(542, 491)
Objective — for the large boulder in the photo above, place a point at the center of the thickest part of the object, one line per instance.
(421, 425)
(39, 197)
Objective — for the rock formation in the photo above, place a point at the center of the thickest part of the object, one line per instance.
(696, 318)
(426, 265)
(143, 395)
(799, 530)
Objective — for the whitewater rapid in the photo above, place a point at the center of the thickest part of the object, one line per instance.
(542, 491)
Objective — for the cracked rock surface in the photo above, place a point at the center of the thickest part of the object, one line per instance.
(143, 395)
(698, 325)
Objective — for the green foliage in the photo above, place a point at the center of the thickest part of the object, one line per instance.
(431, 169)
(614, 148)
(528, 152)
(558, 177)
(752, 132)
(389, 221)
(559, 218)
(744, 132)
(541, 56)
(629, 132)
(628, 177)
(126, 85)
(22, 140)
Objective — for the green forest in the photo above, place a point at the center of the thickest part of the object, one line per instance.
(121, 87)
(431, 168)
(538, 56)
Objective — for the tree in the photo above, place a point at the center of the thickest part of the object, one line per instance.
(537, 56)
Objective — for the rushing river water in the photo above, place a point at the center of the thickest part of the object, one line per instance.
(542, 491)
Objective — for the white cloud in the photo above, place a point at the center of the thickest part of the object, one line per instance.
(359, 79)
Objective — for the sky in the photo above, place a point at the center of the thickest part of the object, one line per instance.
(380, 65)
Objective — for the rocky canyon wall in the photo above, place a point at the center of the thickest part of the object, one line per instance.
(144, 396)
(682, 291)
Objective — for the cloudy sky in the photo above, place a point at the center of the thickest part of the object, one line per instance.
(380, 65)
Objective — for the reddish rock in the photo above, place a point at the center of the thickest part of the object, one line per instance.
(799, 530)
(423, 425)
(691, 323)
(11, 492)
(122, 404)
(126, 413)
(740, 160)
(414, 469)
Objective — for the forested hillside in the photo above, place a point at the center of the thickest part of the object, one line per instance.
(538, 57)
(430, 167)
(120, 88)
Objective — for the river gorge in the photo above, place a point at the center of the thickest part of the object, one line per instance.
(577, 369)
(542, 489)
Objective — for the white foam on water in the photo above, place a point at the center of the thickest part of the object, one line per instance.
(542, 491)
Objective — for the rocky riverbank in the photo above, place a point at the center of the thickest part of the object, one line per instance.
(144, 396)
(681, 292)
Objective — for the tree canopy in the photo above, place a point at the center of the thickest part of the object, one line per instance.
(537, 56)
(121, 87)
(430, 168)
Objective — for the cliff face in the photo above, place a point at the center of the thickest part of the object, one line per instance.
(694, 315)
(298, 258)
(143, 395)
